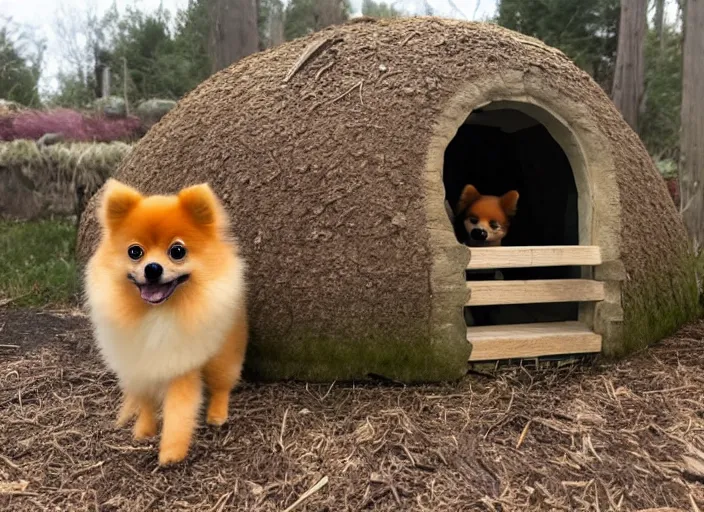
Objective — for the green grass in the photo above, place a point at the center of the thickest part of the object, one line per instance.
(37, 263)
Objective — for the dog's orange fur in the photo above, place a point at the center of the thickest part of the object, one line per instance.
(163, 353)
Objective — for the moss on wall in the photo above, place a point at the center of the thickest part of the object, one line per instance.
(656, 306)
(311, 357)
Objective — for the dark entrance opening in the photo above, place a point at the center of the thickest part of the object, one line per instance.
(502, 149)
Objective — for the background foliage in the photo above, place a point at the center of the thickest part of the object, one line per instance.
(587, 32)
(21, 55)
(164, 55)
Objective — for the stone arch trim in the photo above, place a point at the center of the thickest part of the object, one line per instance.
(590, 154)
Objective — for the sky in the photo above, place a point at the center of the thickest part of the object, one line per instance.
(42, 16)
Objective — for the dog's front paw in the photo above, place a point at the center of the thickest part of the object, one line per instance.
(145, 426)
(123, 419)
(127, 412)
(215, 419)
(217, 410)
(144, 430)
(172, 454)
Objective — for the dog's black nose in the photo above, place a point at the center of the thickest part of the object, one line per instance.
(153, 272)
(478, 234)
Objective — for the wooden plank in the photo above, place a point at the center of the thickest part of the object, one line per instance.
(533, 256)
(488, 293)
(523, 341)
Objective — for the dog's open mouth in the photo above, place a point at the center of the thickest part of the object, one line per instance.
(159, 292)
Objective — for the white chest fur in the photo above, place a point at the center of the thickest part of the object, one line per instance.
(147, 357)
(161, 346)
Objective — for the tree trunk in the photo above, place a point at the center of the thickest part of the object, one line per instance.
(659, 20)
(328, 12)
(233, 31)
(97, 72)
(692, 139)
(276, 26)
(629, 76)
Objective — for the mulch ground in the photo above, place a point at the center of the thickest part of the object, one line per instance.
(628, 436)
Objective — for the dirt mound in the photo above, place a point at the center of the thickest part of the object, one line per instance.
(319, 148)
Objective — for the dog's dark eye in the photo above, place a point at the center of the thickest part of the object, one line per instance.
(494, 224)
(177, 252)
(473, 220)
(135, 252)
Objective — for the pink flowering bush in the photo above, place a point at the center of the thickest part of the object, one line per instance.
(73, 125)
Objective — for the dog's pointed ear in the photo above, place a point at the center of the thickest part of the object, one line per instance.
(509, 202)
(202, 205)
(117, 202)
(469, 195)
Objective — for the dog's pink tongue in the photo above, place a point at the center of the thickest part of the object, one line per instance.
(154, 292)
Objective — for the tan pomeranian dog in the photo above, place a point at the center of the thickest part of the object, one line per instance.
(166, 294)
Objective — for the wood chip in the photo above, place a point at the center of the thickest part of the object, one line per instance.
(321, 483)
(13, 487)
(693, 468)
(663, 509)
(522, 437)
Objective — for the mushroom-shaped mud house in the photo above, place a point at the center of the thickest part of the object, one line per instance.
(336, 154)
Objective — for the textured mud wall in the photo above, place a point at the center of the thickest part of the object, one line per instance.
(321, 166)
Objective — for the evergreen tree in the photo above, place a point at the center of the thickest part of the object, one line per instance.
(306, 16)
(19, 78)
(379, 9)
(191, 42)
(161, 62)
(586, 30)
(270, 22)
(660, 119)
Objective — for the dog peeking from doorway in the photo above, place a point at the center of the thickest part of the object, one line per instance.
(484, 220)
